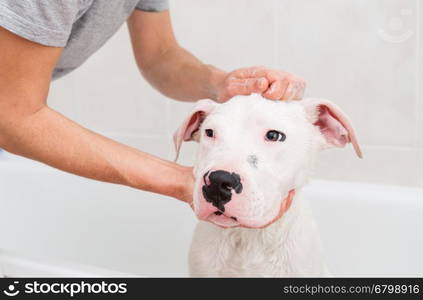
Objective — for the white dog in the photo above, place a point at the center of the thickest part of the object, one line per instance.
(254, 156)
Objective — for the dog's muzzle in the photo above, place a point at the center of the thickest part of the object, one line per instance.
(218, 186)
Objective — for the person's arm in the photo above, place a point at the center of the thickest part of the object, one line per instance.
(179, 75)
(28, 127)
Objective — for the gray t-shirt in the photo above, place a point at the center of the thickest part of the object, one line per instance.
(80, 26)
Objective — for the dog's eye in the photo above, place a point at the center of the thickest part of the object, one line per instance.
(275, 136)
(209, 132)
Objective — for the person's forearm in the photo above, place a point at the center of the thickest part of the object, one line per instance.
(179, 75)
(169, 68)
(49, 137)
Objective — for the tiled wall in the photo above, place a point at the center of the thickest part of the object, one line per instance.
(363, 54)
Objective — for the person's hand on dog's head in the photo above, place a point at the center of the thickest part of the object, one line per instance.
(272, 84)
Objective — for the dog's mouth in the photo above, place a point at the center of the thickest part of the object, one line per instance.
(223, 220)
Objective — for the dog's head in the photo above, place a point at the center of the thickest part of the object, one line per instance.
(253, 154)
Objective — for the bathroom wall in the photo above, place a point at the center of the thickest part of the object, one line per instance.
(363, 54)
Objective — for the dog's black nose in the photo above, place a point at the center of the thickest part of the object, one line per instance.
(219, 189)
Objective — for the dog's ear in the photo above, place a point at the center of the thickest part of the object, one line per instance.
(333, 123)
(187, 131)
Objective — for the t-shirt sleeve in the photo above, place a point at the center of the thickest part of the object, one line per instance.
(153, 5)
(47, 22)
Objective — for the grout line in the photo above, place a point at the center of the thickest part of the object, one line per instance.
(115, 134)
(167, 116)
(418, 79)
(167, 124)
(276, 33)
(391, 148)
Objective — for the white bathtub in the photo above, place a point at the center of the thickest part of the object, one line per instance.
(367, 230)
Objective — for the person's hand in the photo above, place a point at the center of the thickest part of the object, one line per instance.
(272, 84)
(186, 190)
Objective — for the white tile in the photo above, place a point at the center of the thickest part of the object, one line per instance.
(162, 147)
(419, 83)
(359, 53)
(228, 34)
(398, 166)
(113, 96)
(419, 167)
(62, 96)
